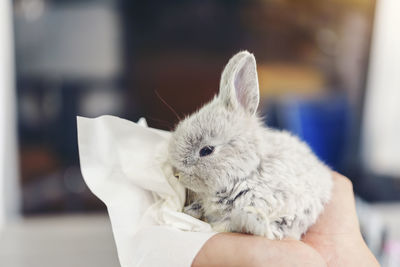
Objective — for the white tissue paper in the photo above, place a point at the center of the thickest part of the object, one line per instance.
(124, 164)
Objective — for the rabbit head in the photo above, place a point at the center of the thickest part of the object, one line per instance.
(220, 144)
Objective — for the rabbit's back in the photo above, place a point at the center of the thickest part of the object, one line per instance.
(282, 198)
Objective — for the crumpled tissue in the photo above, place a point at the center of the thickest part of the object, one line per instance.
(124, 164)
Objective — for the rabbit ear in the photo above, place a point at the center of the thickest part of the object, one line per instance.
(239, 83)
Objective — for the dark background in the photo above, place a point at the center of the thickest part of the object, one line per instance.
(126, 58)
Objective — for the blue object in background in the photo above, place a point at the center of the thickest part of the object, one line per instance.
(321, 122)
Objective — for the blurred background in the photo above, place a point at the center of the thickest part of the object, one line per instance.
(327, 73)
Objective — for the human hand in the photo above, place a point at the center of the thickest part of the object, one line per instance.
(335, 240)
(241, 250)
(336, 236)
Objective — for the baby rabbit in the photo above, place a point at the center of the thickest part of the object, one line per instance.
(245, 177)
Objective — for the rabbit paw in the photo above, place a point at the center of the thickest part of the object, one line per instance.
(254, 221)
(195, 210)
(249, 220)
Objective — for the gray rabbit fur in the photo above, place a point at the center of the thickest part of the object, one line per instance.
(246, 177)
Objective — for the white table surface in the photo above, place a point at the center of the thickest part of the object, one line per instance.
(86, 240)
(59, 241)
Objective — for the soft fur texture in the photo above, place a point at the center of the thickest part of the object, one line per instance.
(257, 180)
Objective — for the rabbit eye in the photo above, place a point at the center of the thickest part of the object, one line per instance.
(207, 150)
